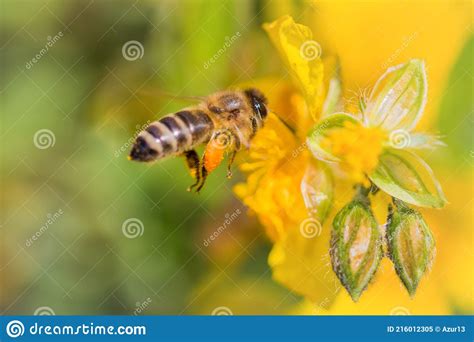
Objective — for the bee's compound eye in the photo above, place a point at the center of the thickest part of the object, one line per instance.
(141, 151)
(257, 106)
(258, 101)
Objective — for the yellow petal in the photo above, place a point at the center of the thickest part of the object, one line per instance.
(302, 56)
(300, 261)
(271, 195)
(317, 189)
(399, 97)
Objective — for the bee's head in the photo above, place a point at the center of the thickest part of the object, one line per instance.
(257, 101)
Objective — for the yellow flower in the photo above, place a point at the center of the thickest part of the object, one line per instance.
(358, 148)
(302, 55)
(272, 177)
(292, 193)
(378, 142)
(282, 178)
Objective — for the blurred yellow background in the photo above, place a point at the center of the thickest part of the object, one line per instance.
(85, 231)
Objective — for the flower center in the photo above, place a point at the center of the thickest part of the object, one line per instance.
(357, 147)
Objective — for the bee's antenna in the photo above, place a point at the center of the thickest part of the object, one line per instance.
(284, 122)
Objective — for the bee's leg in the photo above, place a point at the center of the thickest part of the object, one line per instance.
(235, 148)
(194, 165)
(203, 177)
(213, 155)
(230, 162)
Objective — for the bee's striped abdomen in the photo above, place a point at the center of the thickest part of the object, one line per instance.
(172, 134)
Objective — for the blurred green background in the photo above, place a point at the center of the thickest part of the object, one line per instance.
(91, 100)
(84, 230)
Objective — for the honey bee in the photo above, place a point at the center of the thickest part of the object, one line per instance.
(226, 121)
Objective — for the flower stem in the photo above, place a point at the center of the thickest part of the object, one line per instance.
(362, 194)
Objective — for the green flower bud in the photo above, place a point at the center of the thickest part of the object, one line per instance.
(411, 245)
(356, 246)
